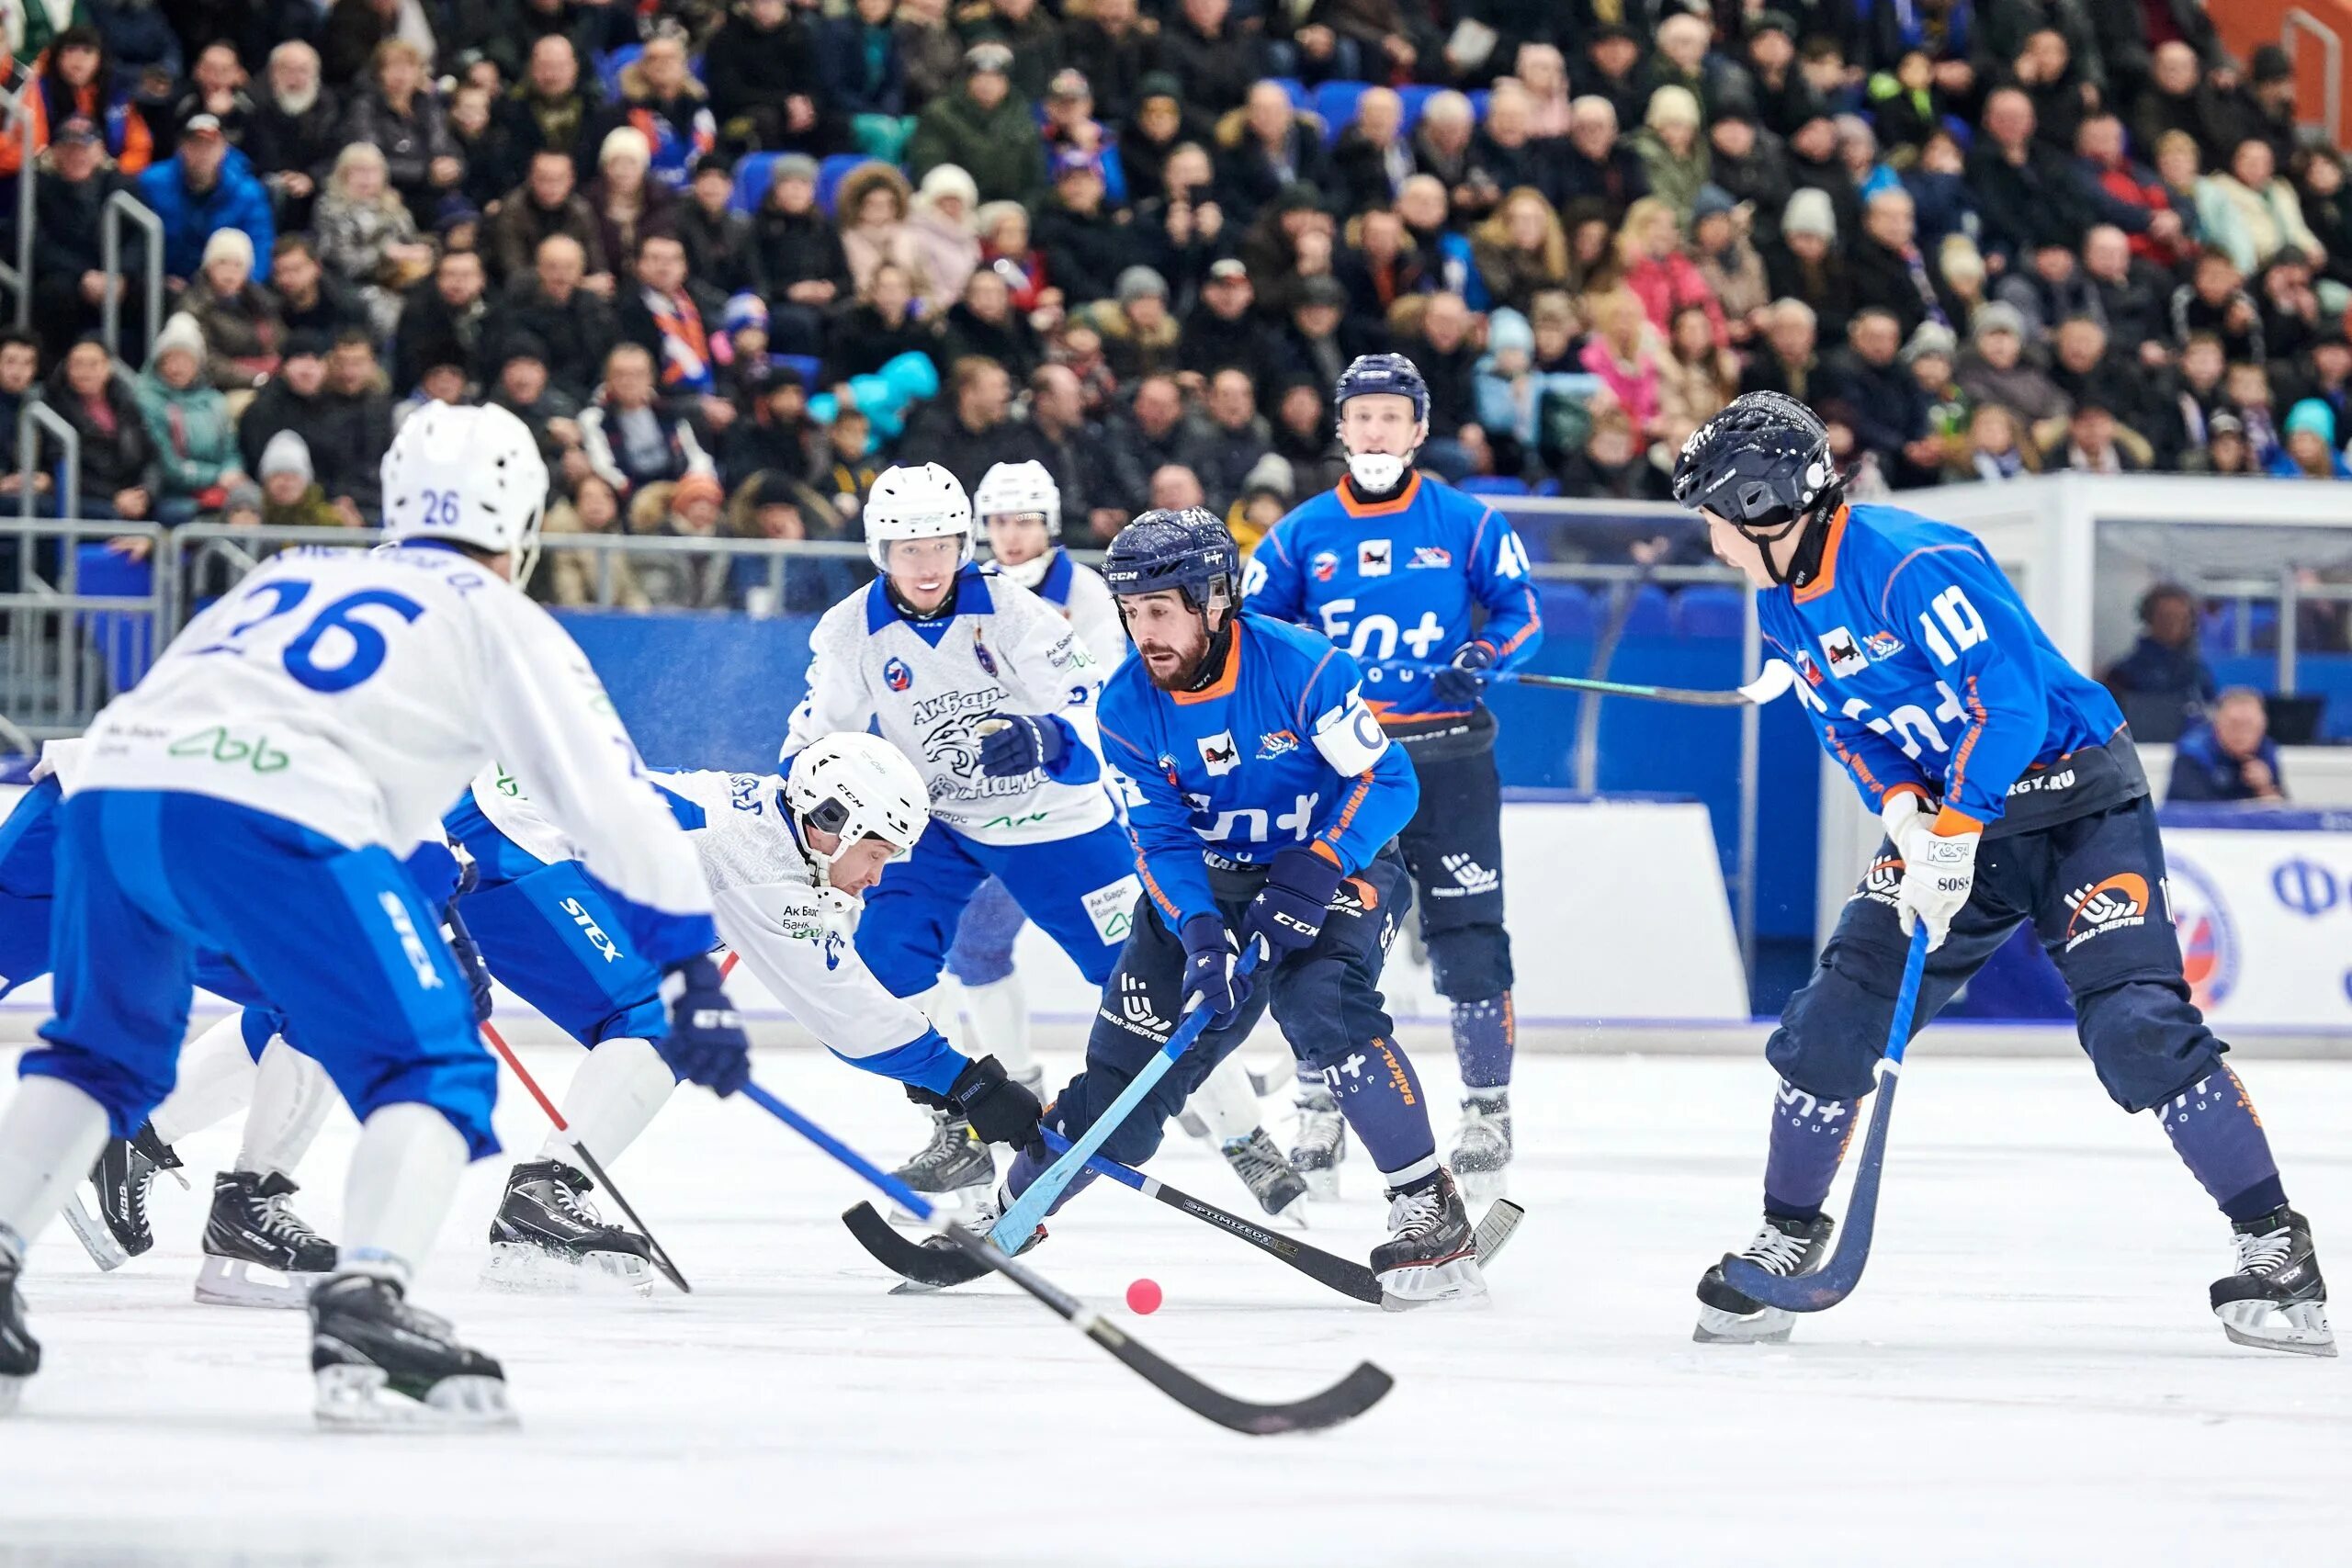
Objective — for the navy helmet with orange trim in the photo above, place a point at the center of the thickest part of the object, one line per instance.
(1188, 550)
(1762, 464)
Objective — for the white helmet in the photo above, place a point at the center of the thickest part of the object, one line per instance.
(1021, 490)
(854, 786)
(472, 475)
(928, 503)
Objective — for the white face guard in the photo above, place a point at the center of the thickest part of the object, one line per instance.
(1377, 471)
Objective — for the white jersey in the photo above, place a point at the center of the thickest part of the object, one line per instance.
(1087, 602)
(356, 691)
(1004, 650)
(771, 902)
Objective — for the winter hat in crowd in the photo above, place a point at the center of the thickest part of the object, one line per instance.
(2223, 423)
(304, 343)
(1671, 104)
(1931, 337)
(1713, 201)
(2270, 64)
(288, 453)
(2000, 316)
(242, 496)
(990, 56)
(946, 179)
(1271, 474)
(180, 332)
(1136, 282)
(697, 486)
(792, 166)
(2313, 415)
(745, 310)
(1158, 84)
(1809, 212)
(626, 142)
(1507, 330)
(229, 243)
(1323, 289)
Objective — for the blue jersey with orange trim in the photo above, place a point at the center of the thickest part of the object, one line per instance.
(1398, 585)
(1280, 751)
(1920, 667)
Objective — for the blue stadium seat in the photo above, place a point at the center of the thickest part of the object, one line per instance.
(2262, 627)
(1416, 98)
(810, 368)
(1495, 484)
(1336, 102)
(1299, 96)
(610, 66)
(832, 172)
(1479, 101)
(125, 639)
(752, 177)
(1567, 610)
(1701, 611)
(1651, 613)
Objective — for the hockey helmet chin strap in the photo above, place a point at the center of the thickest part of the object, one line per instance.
(1806, 560)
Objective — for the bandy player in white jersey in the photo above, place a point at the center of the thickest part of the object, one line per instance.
(253, 795)
(990, 693)
(1020, 509)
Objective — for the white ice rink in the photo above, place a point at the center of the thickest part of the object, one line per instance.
(2027, 1375)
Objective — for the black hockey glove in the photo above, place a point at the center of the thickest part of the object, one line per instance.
(705, 1044)
(1209, 959)
(1462, 682)
(1287, 914)
(469, 957)
(1000, 1111)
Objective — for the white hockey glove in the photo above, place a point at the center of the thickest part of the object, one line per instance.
(1907, 817)
(1936, 882)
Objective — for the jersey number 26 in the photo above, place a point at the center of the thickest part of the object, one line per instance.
(336, 628)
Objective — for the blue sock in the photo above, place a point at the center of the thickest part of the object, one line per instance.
(1809, 1137)
(2220, 1139)
(1381, 1100)
(1485, 1034)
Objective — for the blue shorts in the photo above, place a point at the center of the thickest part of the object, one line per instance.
(1082, 890)
(982, 953)
(555, 938)
(337, 938)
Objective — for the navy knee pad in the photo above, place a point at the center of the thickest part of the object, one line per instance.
(1832, 1031)
(1471, 963)
(2146, 1040)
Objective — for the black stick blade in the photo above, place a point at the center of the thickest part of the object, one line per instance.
(931, 1266)
(1353, 1394)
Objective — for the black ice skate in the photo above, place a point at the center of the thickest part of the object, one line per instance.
(257, 1252)
(1781, 1246)
(19, 1351)
(378, 1362)
(2274, 1300)
(955, 1170)
(1431, 1253)
(548, 1236)
(1261, 1167)
(1481, 1158)
(980, 1219)
(1322, 1142)
(125, 1171)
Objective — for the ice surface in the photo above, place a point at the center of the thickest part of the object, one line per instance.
(2028, 1375)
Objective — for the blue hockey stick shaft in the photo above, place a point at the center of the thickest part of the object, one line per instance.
(1836, 1280)
(906, 1197)
(1030, 1208)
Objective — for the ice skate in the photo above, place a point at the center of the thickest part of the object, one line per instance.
(955, 1170)
(1431, 1253)
(980, 1219)
(258, 1252)
(1781, 1246)
(19, 1351)
(1322, 1142)
(548, 1236)
(117, 1230)
(2274, 1300)
(1481, 1158)
(377, 1361)
(1261, 1167)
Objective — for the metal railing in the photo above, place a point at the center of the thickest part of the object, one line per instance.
(18, 275)
(122, 205)
(2289, 595)
(69, 476)
(67, 651)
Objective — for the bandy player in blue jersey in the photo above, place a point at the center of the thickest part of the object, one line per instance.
(1265, 796)
(2011, 792)
(1404, 572)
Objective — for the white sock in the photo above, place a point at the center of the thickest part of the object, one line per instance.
(291, 1094)
(403, 1177)
(1226, 1102)
(216, 1077)
(50, 1136)
(996, 1023)
(613, 1098)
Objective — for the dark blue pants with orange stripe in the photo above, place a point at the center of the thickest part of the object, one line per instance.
(1325, 998)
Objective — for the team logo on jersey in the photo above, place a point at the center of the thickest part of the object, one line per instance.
(743, 793)
(2117, 904)
(1471, 878)
(1324, 565)
(1882, 881)
(1218, 751)
(1429, 557)
(1844, 655)
(591, 930)
(1882, 645)
(2208, 942)
(896, 676)
(1373, 558)
(1134, 1012)
(1806, 667)
(1276, 743)
(980, 652)
(1111, 908)
(834, 943)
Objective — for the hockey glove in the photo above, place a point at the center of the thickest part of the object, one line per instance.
(1209, 957)
(1462, 682)
(469, 961)
(706, 1042)
(1000, 1111)
(1909, 817)
(1013, 744)
(1287, 914)
(1937, 883)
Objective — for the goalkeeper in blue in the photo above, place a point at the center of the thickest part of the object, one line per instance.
(2011, 793)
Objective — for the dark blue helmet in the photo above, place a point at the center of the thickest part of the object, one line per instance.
(1383, 372)
(1761, 463)
(1188, 550)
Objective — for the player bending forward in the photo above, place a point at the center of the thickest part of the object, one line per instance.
(1404, 572)
(788, 860)
(2011, 792)
(1020, 508)
(251, 795)
(991, 695)
(1267, 792)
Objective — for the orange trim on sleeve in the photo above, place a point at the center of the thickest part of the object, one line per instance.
(1356, 797)
(1225, 682)
(1326, 851)
(1893, 790)
(1828, 578)
(1354, 508)
(1951, 824)
(1958, 773)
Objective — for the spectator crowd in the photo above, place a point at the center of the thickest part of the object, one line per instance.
(706, 250)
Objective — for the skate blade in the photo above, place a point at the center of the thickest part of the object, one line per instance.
(521, 1267)
(1457, 1281)
(1194, 1125)
(1483, 1186)
(1766, 1326)
(2299, 1330)
(355, 1399)
(11, 1391)
(239, 1282)
(96, 1239)
(955, 1201)
(1322, 1186)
